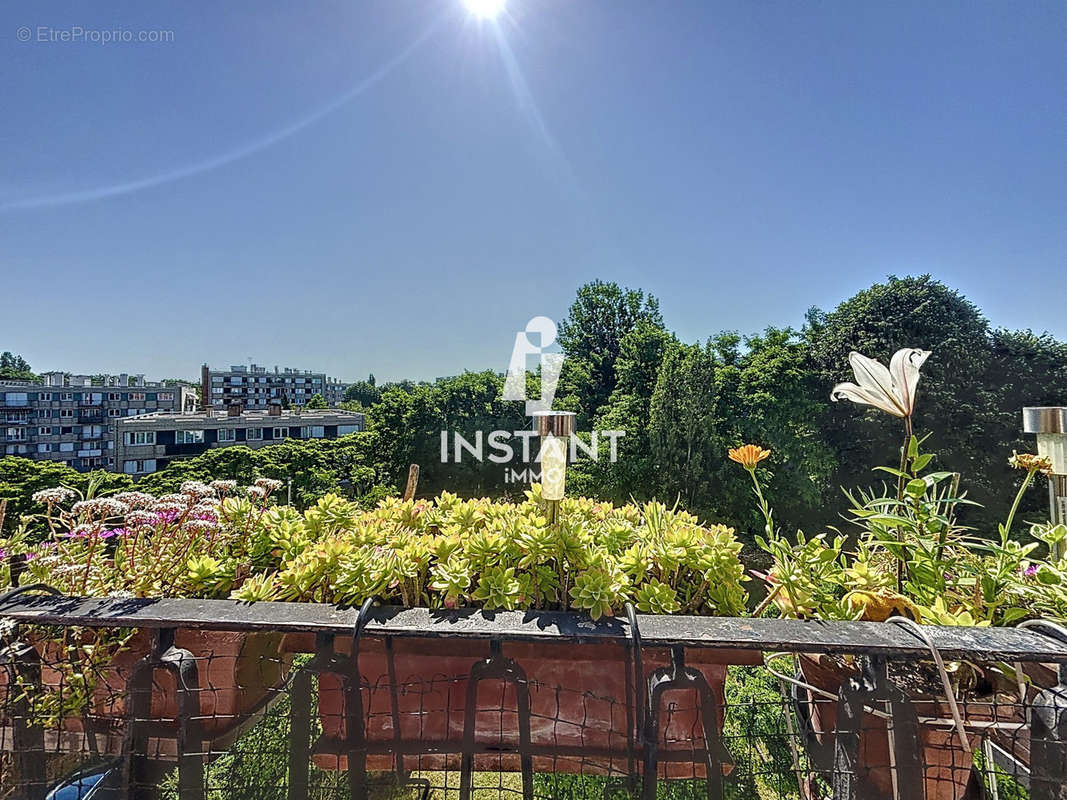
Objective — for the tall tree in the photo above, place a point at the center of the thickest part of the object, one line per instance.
(591, 336)
(15, 368)
(957, 402)
(683, 425)
(633, 473)
(363, 392)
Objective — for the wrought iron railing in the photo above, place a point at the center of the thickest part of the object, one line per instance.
(220, 699)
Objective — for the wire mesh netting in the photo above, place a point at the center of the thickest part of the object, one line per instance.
(234, 714)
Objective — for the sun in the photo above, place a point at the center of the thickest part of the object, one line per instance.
(485, 9)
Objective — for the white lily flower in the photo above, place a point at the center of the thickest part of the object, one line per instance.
(892, 390)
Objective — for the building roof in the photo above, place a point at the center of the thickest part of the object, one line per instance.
(264, 417)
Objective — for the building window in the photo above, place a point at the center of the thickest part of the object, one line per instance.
(44, 396)
(66, 447)
(44, 431)
(139, 467)
(16, 434)
(17, 399)
(67, 396)
(227, 435)
(344, 430)
(114, 396)
(254, 434)
(312, 432)
(66, 413)
(65, 430)
(44, 448)
(189, 437)
(166, 395)
(140, 437)
(281, 433)
(114, 412)
(136, 395)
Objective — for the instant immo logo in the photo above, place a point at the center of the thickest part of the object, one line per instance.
(551, 365)
(516, 451)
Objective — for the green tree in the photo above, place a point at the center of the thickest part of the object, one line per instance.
(769, 396)
(15, 368)
(633, 474)
(315, 467)
(683, 426)
(20, 478)
(365, 393)
(1026, 369)
(957, 402)
(591, 336)
(409, 425)
(317, 401)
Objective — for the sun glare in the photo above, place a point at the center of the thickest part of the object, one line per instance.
(485, 9)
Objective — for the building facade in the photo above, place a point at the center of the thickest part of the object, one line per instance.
(144, 444)
(256, 387)
(72, 418)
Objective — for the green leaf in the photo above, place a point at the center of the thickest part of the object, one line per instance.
(920, 462)
(937, 477)
(1047, 576)
(916, 488)
(1013, 615)
(894, 472)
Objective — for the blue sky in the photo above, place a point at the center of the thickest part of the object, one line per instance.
(392, 186)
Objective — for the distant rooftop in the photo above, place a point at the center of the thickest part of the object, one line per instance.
(257, 369)
(59, 378)
(258, 415)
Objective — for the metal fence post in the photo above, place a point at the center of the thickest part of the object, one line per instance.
(873, 687)
(182, 665)
(24, 666)
(679, 676)
(1048, 742)
(499, 667)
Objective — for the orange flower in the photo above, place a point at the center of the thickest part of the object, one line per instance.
(749, 455)
(1031, 463)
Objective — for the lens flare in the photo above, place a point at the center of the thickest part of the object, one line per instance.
(485, 9)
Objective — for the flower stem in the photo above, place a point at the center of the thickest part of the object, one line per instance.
(764, 508)
(1006, 530)
(900, 499)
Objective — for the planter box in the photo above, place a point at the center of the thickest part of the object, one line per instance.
(237, 673)
(579, 705)
(947, 766)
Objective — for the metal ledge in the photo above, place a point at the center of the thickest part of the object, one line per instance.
(986, 644)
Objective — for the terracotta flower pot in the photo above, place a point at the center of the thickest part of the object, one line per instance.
(946, 765)
(236, 672)
(578, 704)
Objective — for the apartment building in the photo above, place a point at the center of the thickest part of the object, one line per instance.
(144, 444)
(256, 387)
(71, 418)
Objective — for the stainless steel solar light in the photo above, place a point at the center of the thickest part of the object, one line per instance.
(1050, 425)
(555, 429)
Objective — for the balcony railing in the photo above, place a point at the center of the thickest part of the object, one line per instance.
(226, 699)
